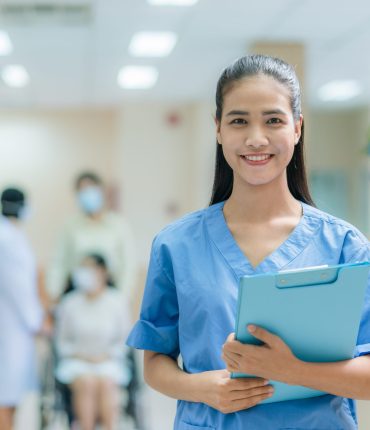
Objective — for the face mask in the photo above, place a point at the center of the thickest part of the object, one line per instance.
(84, 279)
(91, 199)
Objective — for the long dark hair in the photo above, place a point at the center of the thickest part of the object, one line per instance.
(284, 73)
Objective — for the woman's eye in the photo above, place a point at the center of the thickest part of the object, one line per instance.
(274, 121)
(238, 121)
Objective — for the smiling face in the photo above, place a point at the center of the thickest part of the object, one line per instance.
(257, 130)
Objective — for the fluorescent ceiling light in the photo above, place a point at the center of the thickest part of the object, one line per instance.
(137, 77)
(15, 76)
(152, 44)
(339, 90)
(172, 2)
(6, 46)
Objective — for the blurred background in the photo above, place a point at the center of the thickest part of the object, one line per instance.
(125, 88)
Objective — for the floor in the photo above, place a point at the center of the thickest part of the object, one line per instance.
(159, 412)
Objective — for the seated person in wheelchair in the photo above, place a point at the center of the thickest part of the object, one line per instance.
(92, 324)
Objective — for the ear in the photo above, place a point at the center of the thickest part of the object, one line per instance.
(298, 129)
(218, 131)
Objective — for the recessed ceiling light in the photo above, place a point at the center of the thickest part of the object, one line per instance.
(137, 77)
(173, 2)
(152, 44)
(339, 90)
(15, 76)
(6, 46)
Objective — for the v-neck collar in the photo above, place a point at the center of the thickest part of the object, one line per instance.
(283, 255)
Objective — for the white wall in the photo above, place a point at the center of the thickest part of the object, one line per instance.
(336, 142)
(165, 169)
(203, 153)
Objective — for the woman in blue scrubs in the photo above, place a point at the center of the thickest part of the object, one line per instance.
(261, 219)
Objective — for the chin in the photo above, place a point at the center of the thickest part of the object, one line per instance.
(256, 182)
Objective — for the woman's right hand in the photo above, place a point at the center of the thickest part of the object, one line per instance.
(228, 395)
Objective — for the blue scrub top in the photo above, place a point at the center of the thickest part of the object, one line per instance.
(189, 307)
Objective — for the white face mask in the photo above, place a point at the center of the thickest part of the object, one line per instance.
(85, 279)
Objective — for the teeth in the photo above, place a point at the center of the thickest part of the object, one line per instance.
(257, 157)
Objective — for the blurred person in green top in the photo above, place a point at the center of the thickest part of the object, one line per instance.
(94, 230)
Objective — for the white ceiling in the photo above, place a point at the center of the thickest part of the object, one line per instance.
(77, 65)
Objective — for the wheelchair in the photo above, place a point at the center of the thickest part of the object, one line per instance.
(56, 403)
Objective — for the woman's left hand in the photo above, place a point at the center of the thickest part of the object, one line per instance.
(272, 360)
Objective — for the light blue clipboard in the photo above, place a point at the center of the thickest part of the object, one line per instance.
(316, 311)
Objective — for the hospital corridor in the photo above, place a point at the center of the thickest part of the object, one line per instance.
(158, 160)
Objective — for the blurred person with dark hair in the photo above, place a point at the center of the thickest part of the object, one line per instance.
(94, 229)
(92, 323)
(21, 313)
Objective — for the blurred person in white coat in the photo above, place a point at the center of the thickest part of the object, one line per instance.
(21, 313)
(93, 230)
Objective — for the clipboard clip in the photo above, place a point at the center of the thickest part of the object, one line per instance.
(308, 277)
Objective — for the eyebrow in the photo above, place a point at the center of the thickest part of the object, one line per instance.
(269, 112)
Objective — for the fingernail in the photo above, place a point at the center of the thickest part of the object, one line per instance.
(270, 390)
(266, 382)
(252, 328)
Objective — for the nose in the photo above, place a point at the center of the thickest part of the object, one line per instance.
(256, 138)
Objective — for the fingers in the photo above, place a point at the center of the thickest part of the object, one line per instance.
(262, 334)
(225, 374)
(228, 354)
(230, 337)
(232, 362)
(246, 403)
(233, 359)
(234, 367)
(239, 405)
(242, 384)
(233, 346)
(258, 391)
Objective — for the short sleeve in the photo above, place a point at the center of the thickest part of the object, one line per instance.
(363, 339)
(157, 328)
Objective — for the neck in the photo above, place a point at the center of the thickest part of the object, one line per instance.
(14, 220)
(95, 216)
(91, 295)
(256, 204)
